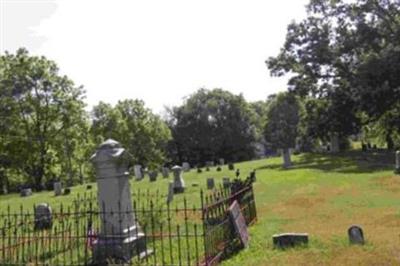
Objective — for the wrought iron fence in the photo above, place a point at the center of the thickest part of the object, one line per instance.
(172, 235)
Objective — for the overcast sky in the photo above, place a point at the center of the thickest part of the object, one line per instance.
(156, 50)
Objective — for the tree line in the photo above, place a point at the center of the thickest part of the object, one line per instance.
(342, 59)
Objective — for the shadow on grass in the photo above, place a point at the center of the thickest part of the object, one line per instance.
(345, 162)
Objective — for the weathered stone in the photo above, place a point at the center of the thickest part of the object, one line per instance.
(210, 183)
(210, 163)
(288, 240)
(397, 168)
(138, 172)
(226, 183)
(57, 188)
(170, 195)
(221, 161)
(43, 216)
(26, 192)
(356, 235)
(179, 183)
(153, 176)
(165, 172)
(186, 167)
(121, 237)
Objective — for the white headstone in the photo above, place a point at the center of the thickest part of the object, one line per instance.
(186, 166)
(121, 235)
(57, 188)
(170, 196)
(138, 171)
(179, 183)
(221, 161)
(165, 172)
(398, 161)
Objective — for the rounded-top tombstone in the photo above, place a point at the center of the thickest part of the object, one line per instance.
(43, 216)
(356, 235)
(179, 183)
(120, 236)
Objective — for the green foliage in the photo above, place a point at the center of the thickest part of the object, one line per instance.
(344, 53)
(283, 118)
(141, 132)
(210, 125)
(42, 115)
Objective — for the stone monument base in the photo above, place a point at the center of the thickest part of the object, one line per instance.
(119, 249)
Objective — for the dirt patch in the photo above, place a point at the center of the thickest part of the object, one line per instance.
(389, 183)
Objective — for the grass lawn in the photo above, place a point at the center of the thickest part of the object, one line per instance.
(321, 195)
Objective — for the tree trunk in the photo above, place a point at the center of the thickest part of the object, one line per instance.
(335, 143)
(287, 162)
(389, 142)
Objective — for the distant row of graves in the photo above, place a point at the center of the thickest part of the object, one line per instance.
(115, 227)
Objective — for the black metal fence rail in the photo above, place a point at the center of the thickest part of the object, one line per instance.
(173, 235)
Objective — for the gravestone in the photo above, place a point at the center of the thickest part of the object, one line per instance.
(239, 223)
(210, 163)
(356, 235)
(186, 167)
(288, 240)
(221, 161)
(138, 171)
(397, 169)
(57, 188)
(26, 192)
(170, 195)
(153, 176)
(231, 166)
(165, 172)
(210, 183)
(179, 183)
(43, 217)
(226, 182)
(120, 237)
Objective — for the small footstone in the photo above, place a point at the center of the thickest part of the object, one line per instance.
(356, 235)
(288, 240)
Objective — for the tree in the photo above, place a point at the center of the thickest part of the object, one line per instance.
(141, 132)
(281, 130)
(38, 107)
(210, 125)
(345, 50)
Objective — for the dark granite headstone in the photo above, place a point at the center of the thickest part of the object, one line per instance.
(43, 217)
(288, 240)
(356, 235)
(210, 183)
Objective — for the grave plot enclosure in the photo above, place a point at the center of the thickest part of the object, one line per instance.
(173, 234)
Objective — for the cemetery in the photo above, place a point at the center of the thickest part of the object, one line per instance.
(189, 227)
(201, 134)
